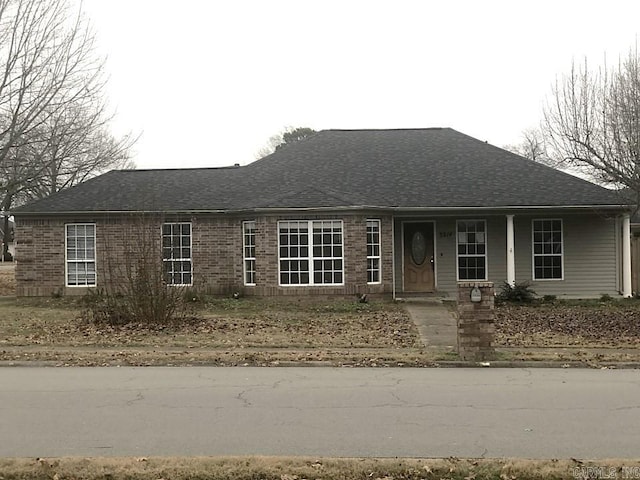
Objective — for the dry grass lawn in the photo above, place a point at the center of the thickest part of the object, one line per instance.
(221, 323)
(299, 468)
(7, 280)
(222, 332)
(586, 323)
(282, 331)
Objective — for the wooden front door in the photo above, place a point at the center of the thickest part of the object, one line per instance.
(418, 257)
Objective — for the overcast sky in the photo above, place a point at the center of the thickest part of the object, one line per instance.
(207, 82)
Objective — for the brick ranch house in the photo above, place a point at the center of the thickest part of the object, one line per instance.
(341, 212)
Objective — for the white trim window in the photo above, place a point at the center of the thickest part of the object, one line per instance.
(547, 249)
(249, 252)
(176, 253)
(310, 252)
(80, 253)
(472, 249)
(373, 251)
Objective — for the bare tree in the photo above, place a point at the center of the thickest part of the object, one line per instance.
(73, 146)
(287, 136)
(593, 122)
(534, 147)
(53, 120)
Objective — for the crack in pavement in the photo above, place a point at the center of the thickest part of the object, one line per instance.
(139, 397)
(395, 395)
(240, 396)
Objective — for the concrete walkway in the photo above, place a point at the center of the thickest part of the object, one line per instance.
(437, 323)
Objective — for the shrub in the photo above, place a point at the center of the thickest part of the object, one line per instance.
(517, 293)
(136, 290)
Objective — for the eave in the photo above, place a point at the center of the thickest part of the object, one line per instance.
(390, 209)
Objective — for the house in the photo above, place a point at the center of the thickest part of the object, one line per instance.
(393, 212)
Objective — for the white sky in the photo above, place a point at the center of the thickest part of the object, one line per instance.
(207, 82)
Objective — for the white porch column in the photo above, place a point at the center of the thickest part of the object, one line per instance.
(511, 256)
(626, 256)
(393, 256)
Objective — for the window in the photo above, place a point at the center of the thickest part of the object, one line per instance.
(81, 254)
(472, 250)
(310, 252)
(547, 249)
(176, 253)
(373, 251)
(249, 252)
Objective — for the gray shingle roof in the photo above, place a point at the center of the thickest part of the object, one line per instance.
(414, 168)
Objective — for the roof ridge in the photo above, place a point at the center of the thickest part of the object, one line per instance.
(407, 129)
(129, 170)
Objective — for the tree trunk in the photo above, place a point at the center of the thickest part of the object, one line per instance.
(6, 238)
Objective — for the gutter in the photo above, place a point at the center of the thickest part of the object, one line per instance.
(327, 208)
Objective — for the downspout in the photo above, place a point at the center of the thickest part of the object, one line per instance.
(511, 257)
(393, 257)
(618, 240)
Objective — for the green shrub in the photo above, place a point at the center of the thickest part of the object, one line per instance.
(517, 293)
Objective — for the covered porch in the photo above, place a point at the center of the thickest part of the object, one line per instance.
(570, 254)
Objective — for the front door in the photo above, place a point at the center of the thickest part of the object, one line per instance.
(418, 257)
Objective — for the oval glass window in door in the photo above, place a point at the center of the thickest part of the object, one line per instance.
(418, 248)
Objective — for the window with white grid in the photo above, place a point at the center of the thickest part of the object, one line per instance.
(311, 252)
(176, 253)
(249, 252)
(472, 249)
(547, 249)
(80, 240)
(293, 239)
(373, 251)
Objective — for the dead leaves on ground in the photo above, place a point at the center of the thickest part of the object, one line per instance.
(7, 282)
(384, 327)
(604, 325)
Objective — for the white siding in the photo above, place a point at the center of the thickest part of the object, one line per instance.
(446, 280)
(589, 244)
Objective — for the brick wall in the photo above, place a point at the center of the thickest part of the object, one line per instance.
(40, 251)
(355, 257)
(216, 253)
(40, 257)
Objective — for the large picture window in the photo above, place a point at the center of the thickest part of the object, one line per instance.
(311, 252)
(176, 253)
(373, 251)
(80, 240)
(249, 252)
(547, 249)
(472, 249)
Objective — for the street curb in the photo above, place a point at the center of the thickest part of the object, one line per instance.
(329, 364)
(538, 364)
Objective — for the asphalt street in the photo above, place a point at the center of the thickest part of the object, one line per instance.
(466, 412)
